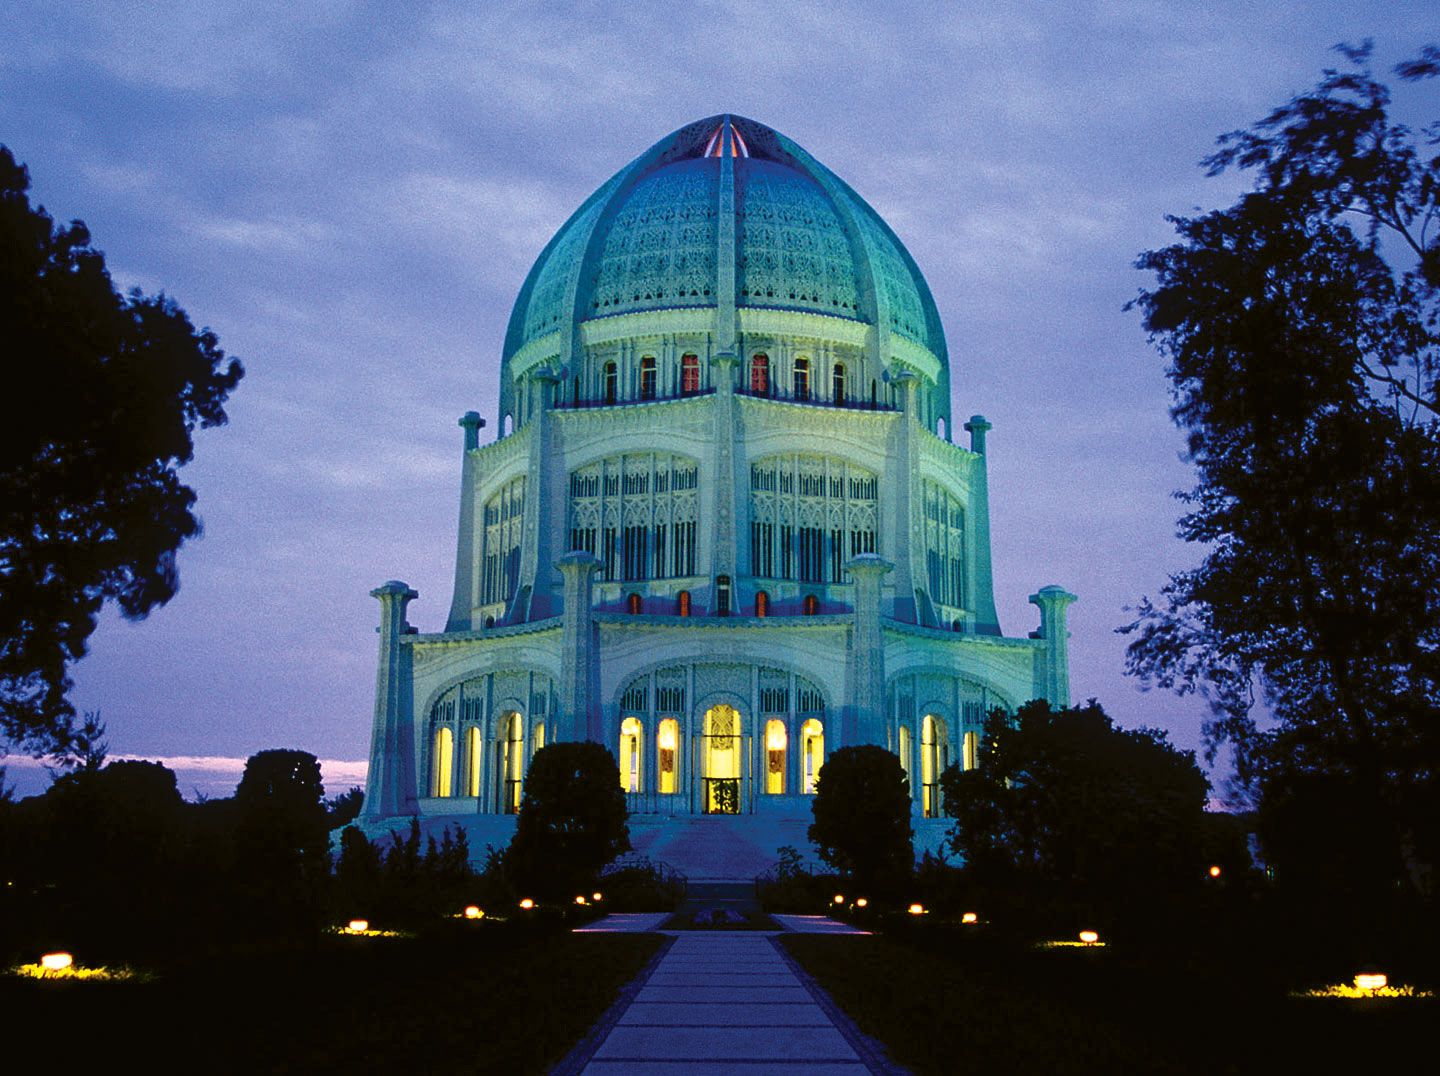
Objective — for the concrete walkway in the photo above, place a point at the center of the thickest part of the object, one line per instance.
(726, 1002)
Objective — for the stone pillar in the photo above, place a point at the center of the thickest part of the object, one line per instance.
(867, 657)
(1053, 675)
(723, 553)
(390, 784)
(467, 548)
(909, 525)
(532, 598)
(980, 598)
(577, 717)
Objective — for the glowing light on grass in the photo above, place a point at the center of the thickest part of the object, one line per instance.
(839, 898)
(597, 897)
(1089, 937)
(527, 904)
(61, 961)
(916, 909)
(862, 903)
(969, 917)
(473, 911)
(1357, 992)
(1215, 872)
(1371, 981)
(358, 926)
(580, 899)
(72, 971)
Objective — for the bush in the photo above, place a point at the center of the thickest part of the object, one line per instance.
(862, 817)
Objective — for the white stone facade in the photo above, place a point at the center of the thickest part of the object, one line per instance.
(723, 539)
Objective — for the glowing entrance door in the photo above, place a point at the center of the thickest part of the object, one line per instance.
(667, 755)
(632, 735)
(812, 747)
(510, 763)
(934, 757)
(776, 741)
(722, 751)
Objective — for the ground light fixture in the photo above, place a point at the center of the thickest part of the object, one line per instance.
(56, 961)
(472, 911)
(916, 909)
(839, 898)
(597, 897)
(1089, 937)
(1215, 872)
(580, 898)
(1371, 980)
(527, 904)
(358, 926)
(969, 917)
(861, 902)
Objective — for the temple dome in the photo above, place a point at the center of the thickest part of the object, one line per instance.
(654, 237)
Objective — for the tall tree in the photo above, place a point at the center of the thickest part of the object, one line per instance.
(1301, 328)
(103, 393)
(862, 817)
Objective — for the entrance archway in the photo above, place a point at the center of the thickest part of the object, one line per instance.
(721, 760)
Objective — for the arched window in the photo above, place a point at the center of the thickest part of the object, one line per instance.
(837, 384)
(956, 625)
(667, 754)
(971, 755)
(682, 603)
(612, 382)
(811, 605)
(510, 762)
(762, 604)
(507, 426)
(647, 377)
(940, 428)
(760, 374)
(472, 761)
(722, 595)
(632, 603)
(689, 374)
(489, 621)
(812, 747)
(632, 735)
(776, 741)
(802, 379)
(905, 760)
(442, 762)
(934, 758)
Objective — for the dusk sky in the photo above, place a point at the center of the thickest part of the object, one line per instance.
(350, 198)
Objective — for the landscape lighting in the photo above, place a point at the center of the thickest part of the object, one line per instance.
(472, 911)
(1089, 937)
(580, 899)
(597, 896)
(839, 898)
(969, 917)
(917, 909)
(1371, 981)
(61, 961)
(861, 903)
(527, 904)
(358, 926)
(1214, 872)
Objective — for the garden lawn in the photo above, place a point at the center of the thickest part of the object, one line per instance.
(943, 1007)
(494, 999)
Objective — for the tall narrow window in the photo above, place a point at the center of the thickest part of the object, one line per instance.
(647, 378)
(689, 375)
(722, 595)
(837, 384)
(802, 379)
(972, 750)
(632, 735)
(812, 741)
(667, 755)
(934, 758)
(682, 603)
(775, 743)
(811, 605)
(632, 603)
(472, 761)
(443, 760)
(760, 374)
(762, 604)
(905, 761)
(510, 762)
(612, 382)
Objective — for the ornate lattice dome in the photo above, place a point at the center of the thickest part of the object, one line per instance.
(725, 213)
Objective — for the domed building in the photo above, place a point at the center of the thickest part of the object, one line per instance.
(723, 528)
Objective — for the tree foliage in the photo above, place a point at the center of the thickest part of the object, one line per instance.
(862, 816)
(572, 820)
(1065, 804)
(104, 393)
(1300, 325)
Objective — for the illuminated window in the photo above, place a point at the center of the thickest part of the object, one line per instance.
(811, 605)
(934, 758)
(905, 760)
(722, 595)
(472, 761)
(667, 749)
(812, 747)
(762, 604)
(632, 735)
(802, 379)
(837, 384)
(760, 374)
(689, 375)
(632, 603)
(612, 379)
(776, 741)
(722, 759)
(510, 762)
(442, 761)
(971, 750)
(539, 735)
(647, 377)
(682, 603)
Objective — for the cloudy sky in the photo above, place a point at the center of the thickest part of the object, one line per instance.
(350, 197)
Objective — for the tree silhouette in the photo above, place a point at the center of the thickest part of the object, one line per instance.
(862, 816)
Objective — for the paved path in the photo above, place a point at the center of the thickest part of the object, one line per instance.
(727, 1002)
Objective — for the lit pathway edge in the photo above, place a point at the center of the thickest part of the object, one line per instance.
(720, 1002)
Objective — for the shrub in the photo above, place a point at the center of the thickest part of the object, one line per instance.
(862, 817)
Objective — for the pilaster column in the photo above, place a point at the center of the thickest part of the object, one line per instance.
(980, 595)
(1054, 673)
(722, 555)
(390, 784)
(532, 599)
(867, 657)
(577, 717)
(909, 525)
(467, 550)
